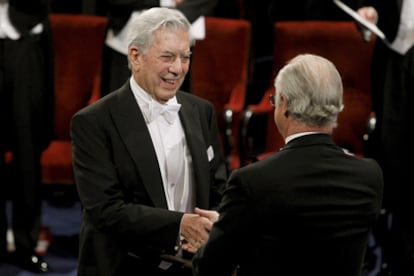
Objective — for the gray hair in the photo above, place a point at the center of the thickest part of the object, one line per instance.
(313, 88)
(141, 31)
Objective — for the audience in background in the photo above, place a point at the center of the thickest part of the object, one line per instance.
(307, 209)
(26, 117)
(388, 141)
(145, 156)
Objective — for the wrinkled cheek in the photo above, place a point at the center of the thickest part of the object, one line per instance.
(186, 68)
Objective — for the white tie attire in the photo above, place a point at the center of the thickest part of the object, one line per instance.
(405, 35)
(169, 141)
(7, 30)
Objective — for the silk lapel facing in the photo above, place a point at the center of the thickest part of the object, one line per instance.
(191, 120)
(130, 122)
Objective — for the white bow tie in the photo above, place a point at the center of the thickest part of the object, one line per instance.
(169, 111)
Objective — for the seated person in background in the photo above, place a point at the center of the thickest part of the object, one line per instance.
(145, 156)
(307, 209)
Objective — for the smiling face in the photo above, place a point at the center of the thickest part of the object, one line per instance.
(161, 70)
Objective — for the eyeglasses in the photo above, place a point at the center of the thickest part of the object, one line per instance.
(272, 99)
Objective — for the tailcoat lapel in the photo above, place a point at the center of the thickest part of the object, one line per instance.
(190, 119)
(137, 140)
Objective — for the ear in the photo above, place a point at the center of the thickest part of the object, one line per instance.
(133, 56)
(284, 105)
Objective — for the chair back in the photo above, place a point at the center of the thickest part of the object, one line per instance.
(342, 43)
(78, 43)
(219, 73)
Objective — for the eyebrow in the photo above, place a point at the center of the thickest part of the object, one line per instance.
(173, 53)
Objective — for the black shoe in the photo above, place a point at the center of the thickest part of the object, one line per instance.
(30, 262)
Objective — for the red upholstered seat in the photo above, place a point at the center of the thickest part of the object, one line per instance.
(219, 73)
(78, 42)
(340, 42)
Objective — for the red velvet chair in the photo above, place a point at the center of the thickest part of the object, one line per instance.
(78, 41)
(340, 42)
(219, 73)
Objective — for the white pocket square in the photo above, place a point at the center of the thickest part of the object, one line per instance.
(210, 153)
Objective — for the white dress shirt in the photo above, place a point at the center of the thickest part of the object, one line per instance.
(405, 35)
(7, 30)
(174, 158)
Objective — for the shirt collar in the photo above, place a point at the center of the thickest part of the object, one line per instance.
(151, 108)
(291, 137)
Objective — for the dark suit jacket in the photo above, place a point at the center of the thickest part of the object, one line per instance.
(120, 185)
(306, 210)
(386, 71)
(120, 11)
(24, 15)
(307, 10)
(392, 83)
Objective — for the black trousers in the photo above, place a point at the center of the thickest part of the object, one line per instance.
(23, 88)
(393, 94)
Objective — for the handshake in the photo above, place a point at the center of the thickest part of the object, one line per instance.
(195, 228)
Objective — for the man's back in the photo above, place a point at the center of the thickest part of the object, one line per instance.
(306, 210)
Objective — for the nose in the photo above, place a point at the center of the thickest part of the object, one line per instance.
(178, 66)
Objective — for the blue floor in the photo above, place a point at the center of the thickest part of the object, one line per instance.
(63, 224)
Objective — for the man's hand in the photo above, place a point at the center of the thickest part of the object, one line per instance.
(195, 228)
(210, 214)
(369, 13)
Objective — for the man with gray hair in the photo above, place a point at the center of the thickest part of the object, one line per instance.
(146, 158)
(307, 209)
